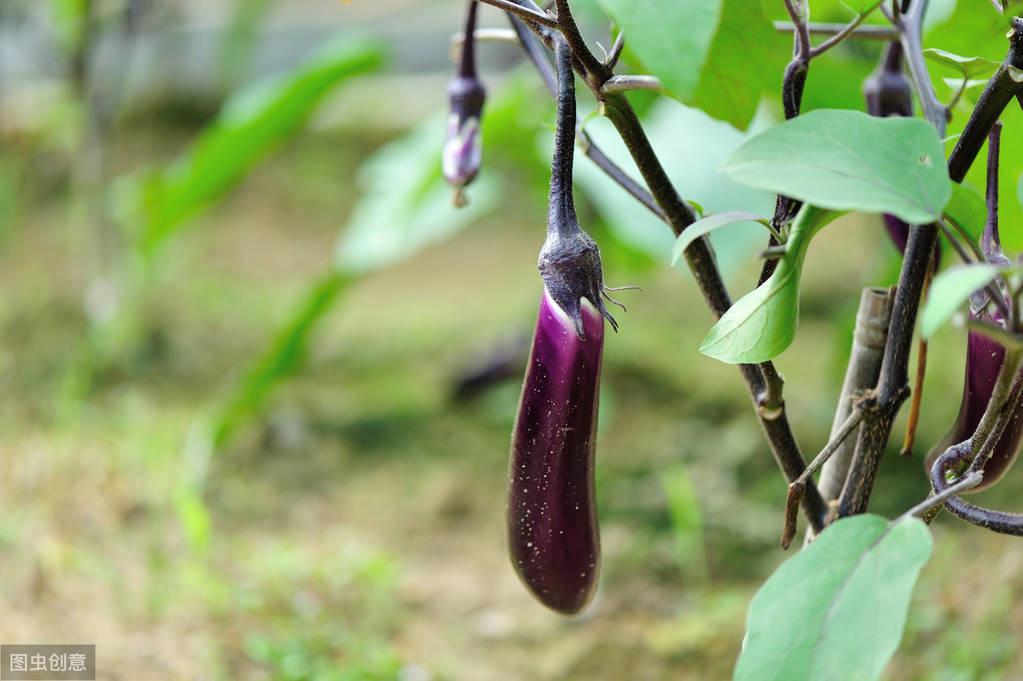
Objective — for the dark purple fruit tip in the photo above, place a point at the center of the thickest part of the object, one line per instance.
(552, 524)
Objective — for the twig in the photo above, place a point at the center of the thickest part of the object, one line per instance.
(798, 486)
(616, 51)
(839, 37)
(523, 12)
(626, 83)
(535, 52)
(935, 500)
(860, 32)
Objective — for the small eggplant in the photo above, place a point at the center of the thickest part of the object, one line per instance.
(463, 148)
(889, 93)
(551, 513)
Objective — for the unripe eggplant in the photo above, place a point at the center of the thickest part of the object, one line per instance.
(551, 514)
(463, 148)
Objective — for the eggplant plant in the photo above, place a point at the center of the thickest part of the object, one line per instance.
(838, 608)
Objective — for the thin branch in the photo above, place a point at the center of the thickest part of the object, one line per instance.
(910, 26)
(523, 12)
(839, 37)
(596, 72)
(935, 500)
(616, 51)
(535, 52)
(798, 486)
(626, 83)
(860, 32)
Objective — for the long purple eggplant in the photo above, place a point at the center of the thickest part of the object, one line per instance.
(552, 523)
(552, 520)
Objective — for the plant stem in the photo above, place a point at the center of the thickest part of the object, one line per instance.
(861, 32)
(893, 386)
(626, 83)
(701, 262)
(535, 51)
(529, 15)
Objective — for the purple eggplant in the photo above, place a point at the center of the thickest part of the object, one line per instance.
(889, 93)
(552, 524)
(984, 356)
(552, 521)
(463, 148)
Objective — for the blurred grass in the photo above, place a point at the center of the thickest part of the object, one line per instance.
(356, 531)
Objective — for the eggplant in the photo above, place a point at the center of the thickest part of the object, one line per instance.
(553, 538)
(889, 93)
(552, 523)
(463, 148)
(984, 355)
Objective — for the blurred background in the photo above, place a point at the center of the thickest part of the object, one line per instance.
(258, 376)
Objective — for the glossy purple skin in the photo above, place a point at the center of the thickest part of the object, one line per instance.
(984, 359)
(552, 524)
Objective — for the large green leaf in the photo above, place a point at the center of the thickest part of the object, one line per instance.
(837, 609)
(745, 59)
(251, 125)
(717, 55)
(847, 160)
(762, 324)
(672, 39)
(950, 290)
(969, 67)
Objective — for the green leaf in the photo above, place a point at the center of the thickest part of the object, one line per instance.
(847, 160)
(706, 226)
(969, 67)
(671, 39)
(837, 609)
(744, 61)
(717, 55)
(967, 209)
(252, 124)
(950, 290)
(762, 324)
